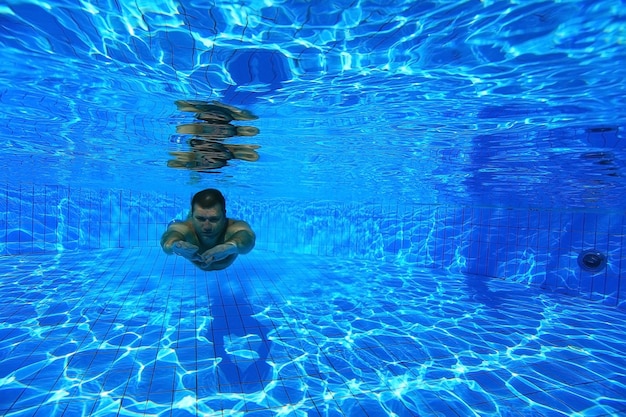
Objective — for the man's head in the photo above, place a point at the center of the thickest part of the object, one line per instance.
(208, 198)
(208, 214)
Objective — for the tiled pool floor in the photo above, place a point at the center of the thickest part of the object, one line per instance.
(134, 332)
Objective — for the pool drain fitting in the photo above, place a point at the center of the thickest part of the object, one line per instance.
(592, 260)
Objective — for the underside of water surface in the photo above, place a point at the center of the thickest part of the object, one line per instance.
(465, 102)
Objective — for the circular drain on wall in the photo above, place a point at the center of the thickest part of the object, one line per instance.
(592, 260)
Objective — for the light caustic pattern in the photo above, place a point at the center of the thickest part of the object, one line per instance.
(439, 50)
(139, 332)
(397, 99)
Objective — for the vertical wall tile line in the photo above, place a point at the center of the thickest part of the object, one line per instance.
(564, 261)
(515, 226)
(109, 227)
(485, 238)
(507, 240)
(527, 240)
(443, 220)
(481, 230)
(572, 268)
(451, 236)
(45, 218)
(620, 269)
(526, 228)
(412, 231)
(32, 220)
(6, 215)
(563, 250)
(604, 236)
(559, 253)
(118, 226)
(606, 274)
(19, 216)
(580, 271)
(81, 215)
(547, 249)
(350, 250)
(93, 238)
(538, 247)
(129, 208)
(118, 222)
(424, 229)
(390, 234)
(473, 228)
(147, 220)
(461, 232)
(99, 231)
(142, 225)
(105, 215)
(55, 214)
(503, 243)
(490, 215)
(488, 212)
(594, 245)
(54, 191)
(494, 242)
(63, 201)
(113, 221)
(89, 222)
(435, 235)
(66, 223)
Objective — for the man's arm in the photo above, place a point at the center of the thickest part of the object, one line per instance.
(176, 232)
(241, 236)
(239, 240)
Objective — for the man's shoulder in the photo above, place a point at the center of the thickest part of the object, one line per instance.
(234, 225)
(180, 226)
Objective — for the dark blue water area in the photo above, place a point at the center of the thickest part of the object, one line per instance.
(134, 331)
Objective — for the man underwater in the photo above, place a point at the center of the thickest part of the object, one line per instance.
(208, 238)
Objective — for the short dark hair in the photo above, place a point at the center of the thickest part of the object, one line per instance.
(208, 198)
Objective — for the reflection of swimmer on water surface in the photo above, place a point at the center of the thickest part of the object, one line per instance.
(214, 112)
(209, 155)
(216, 131)
(208, 152)
(215, 118)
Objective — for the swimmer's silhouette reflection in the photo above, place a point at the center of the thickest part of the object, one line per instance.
(214, 111)
(208, 151)
(478, 290)
(241, 342)
(208, 155)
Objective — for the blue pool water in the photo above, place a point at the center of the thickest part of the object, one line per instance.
(131, 332)
(424, 179)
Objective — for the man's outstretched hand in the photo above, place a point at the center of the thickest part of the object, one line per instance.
(217, 253)
(186, 250)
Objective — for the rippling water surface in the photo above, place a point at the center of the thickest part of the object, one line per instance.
(369, 97)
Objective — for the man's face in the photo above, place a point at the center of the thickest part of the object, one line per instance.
(209, 223)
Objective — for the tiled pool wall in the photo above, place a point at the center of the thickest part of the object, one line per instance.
(538, 247)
